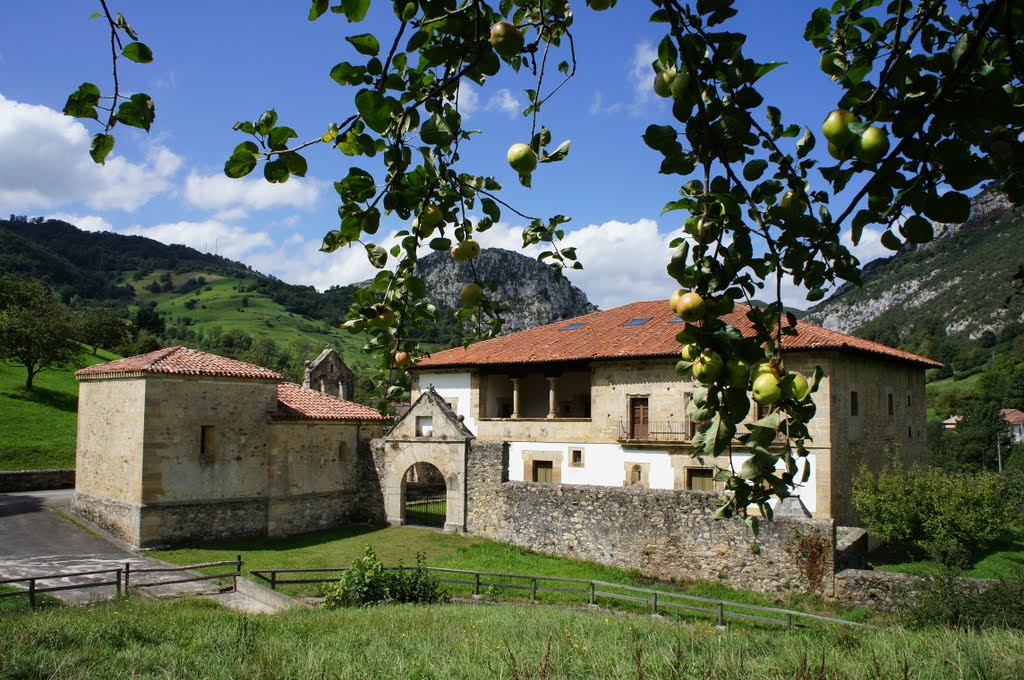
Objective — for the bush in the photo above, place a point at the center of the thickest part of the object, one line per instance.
(950, 518)
(369, 582)
(950, 601)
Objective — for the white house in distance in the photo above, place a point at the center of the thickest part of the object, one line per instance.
(597, 400)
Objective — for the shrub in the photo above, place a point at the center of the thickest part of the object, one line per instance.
(950, 601)
(950, 518)
(369, 582)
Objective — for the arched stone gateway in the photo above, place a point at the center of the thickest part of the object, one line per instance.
(429, 441)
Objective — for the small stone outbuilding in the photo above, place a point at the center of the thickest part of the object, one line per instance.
(180, 445)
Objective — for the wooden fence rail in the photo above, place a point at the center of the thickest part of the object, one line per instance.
(122, 580)
(592, 591)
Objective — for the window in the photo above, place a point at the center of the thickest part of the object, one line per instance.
(910, 432)
(572, 326)
(640, 321)
(891, 409)
(575, 457)
(638, 418)
(675, 319)
(424, 426)
(908, 400)
(636, 475)
(543, 471)
(205, 445)
(854, 406)
(700, 479)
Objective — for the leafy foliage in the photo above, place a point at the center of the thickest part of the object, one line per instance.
(949, 517)
(36, 330)
(369, 582)
(953, 602)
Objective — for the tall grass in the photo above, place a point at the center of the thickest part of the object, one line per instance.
(197, 639)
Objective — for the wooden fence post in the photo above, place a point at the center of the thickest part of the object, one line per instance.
(234, 584)
(118, 586)
(593, 600)
(127, 576)
(32, 592)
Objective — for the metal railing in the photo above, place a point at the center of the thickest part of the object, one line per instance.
(656, 430)
(124, 578)
(592, 591)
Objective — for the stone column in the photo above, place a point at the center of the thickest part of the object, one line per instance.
(552, 403)
(515, 398)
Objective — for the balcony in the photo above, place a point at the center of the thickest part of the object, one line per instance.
(672, 431)
(675, 431)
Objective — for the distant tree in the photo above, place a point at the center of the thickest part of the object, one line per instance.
(148, 320)
(101, 327)
(36, 330)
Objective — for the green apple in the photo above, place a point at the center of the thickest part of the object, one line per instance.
(799, 387)
(690, 306)
(690, 352)
(431, 216)
(871, 146)
(833, 63)
(766, 389)
(471, 294)
(792, 203)
(506, 39)
(402, 359)
(522, 158)
(840, 153)
(681, 85)
(673, 299)
(384, 316)
(465, 251)
(763, 369)
(663, 82)
(736, 373)
(708, 366)
(836, 127)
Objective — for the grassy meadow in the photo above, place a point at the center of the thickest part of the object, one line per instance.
(198, 639)
(37, 427)
(1004, 561)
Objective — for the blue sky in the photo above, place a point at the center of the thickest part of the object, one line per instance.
(220, 62)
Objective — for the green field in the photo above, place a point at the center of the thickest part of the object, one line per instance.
(198, 639)
(37, 427)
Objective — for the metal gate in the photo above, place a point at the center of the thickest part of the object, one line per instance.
(427, 511)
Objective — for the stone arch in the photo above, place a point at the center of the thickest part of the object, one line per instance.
(448, 457)
(424, 491)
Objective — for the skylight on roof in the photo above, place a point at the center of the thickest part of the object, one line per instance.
(638, 321)
(675, 319)
(572, 326)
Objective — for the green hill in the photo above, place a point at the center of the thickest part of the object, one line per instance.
(37, 428)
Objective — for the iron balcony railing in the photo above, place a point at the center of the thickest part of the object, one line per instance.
(671, 431)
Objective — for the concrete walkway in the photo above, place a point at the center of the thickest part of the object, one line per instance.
(35, 541)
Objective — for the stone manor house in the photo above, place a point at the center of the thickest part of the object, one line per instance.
(569, 438)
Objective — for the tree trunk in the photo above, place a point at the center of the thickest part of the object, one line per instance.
(28, 382)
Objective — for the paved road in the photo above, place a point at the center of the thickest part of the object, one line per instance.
(35, 541)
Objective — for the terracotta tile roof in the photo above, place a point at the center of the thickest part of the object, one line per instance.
(1012, 416)
(177, 361)
(295, 402)
(606, 335)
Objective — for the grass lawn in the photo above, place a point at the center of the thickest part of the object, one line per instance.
(198, 639)
(1001, 562)
(37, 427)
(340, 547)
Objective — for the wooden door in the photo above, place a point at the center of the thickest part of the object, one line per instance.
(638, 418)
(543, 471)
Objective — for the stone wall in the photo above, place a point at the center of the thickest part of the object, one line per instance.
(884, 590)
(37, 480)
(665, 534)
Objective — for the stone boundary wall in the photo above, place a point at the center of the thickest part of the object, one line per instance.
(666, 534)
(37, 480)
(884, 590)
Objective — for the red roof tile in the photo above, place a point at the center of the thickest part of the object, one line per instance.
(298, 402)
(604, 335)
(178, 361)
(1012, 416)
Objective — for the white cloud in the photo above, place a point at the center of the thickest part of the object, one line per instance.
(235, 198)
(641, 75)
(210, 236)
(46, 164)
(469, 98)
(504, 101)
(870, 246)
(83, 222)
(598, 107)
